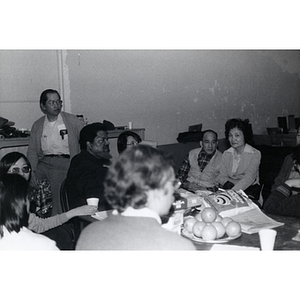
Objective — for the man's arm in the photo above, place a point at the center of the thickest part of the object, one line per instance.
(282, 202)
(182, 173)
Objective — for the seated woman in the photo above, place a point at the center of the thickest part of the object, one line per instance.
(140, 187)
(239, 168)
(127, 139)
(285, 192)
(14, 215)
(17, 163)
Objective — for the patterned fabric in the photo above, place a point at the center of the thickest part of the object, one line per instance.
(203, 159)
(184, 169)
(42, 198)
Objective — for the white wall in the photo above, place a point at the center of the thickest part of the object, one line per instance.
(162, 91)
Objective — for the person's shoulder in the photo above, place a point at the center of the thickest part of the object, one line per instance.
(196, 150)
(39, 120)
(251, 149)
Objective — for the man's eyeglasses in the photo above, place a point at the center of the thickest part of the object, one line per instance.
(176, 183)
(102, 140)
(53, 102)
(17, 170)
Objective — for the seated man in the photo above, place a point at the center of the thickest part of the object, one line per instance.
(201, 166)
(140, 187)
(88, 168)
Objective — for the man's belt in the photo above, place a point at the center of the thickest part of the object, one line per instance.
(58, 155)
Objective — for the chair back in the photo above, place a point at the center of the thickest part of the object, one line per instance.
(64, 197)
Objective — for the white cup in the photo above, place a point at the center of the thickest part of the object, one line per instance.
(130, 125)
(267, 239)
(92, 201)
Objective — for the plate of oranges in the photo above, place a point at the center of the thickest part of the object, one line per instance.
(209, 227)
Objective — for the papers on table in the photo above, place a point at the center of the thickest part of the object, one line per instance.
(253, 220)
(242, 210)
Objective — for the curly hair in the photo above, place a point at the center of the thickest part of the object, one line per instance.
(136, 171)
(242, 125)
(122, 140)
(13, 202)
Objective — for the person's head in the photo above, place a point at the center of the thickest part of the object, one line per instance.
(298, 137)
(127, 139)
(16, 163)
(93, 138)
(209, 141)
(238, 132)
(50, 102)
(14, 204)
(141, 177)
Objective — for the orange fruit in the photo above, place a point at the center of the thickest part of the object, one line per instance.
(208, 215)
(209, 233)
(225, 221)
(220, 229)
(233, 229)
(189, 223)
(197, 228)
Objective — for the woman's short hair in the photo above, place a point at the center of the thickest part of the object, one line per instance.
(136, 171)
(122, 140)
(10, 159)
(242, 125)
(13, 202)
(89, 132)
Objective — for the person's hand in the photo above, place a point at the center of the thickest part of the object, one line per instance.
(85, 210)
(34, 181)
(293, 183)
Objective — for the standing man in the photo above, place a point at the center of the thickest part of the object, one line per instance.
(53, 142)
(201, 166)
(88, 169)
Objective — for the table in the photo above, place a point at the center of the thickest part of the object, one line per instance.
(283, 240)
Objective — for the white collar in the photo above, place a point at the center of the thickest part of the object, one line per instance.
(247, 149)
(142, 212)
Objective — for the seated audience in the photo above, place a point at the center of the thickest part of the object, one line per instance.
(14, 215)
(240, 163)
(285, 193)
(17, 163)
(140, 187)
(88, 168)
(201, 166)
(127, 139)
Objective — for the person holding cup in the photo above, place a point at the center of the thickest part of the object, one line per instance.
(54, 227)
(88, 168)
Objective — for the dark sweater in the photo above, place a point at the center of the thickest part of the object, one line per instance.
(85, 179)
(282, 201)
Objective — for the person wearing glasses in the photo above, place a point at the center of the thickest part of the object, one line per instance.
(285, 192)
(140, 187)
(14, 216)
(40, 200)
(53, 143)
(88, 169)
(127, 139)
